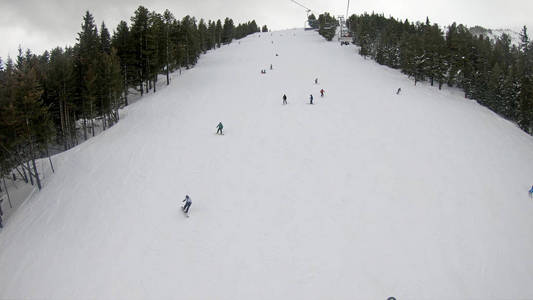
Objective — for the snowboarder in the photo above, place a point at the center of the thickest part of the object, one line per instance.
(531, 192)
(322, 93)
(316, 80)
(399, 90)
(187, 205)
(311, 99)
(284, 99)
(219, 128)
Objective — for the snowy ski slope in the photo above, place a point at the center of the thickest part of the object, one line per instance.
(364, 195)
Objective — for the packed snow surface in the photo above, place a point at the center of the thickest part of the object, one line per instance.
(364, 195)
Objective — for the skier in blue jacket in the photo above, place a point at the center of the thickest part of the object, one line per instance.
(531, 192)
(188, 203)
(220, 127)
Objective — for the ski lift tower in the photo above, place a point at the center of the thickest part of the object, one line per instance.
(307, 10)
(345, 37)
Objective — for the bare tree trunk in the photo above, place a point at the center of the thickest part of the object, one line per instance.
(62, 118)
(148, 86)
(67, 127)
(117, 117)
(7, 192)
(36, 174)
(103, 114)
(92, 118)
(50, 159)
(84, 120)
(168, 71)
(141, 83)
(22, 176)
(125, 85)
(29, 168)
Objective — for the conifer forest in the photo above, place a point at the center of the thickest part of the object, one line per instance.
(61, 97)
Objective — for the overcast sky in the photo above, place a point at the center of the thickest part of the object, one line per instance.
(45, 24)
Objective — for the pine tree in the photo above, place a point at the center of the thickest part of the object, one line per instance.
(123, 43)
(525, 119)
(202, 32)
(105, 39)
(211, 35)
(31, 120)
(142, 43)
(169, 23)
(86, 54)
(312, 21)
(227, 31)
(327, 26)
(218, 33)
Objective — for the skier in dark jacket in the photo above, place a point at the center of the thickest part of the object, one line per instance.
(316, 80)
(188, 203)
(322, 93)
(399, 90)
(220, 127)
(284, 99)
(311, 99)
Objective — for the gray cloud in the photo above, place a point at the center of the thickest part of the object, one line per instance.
(41, 25)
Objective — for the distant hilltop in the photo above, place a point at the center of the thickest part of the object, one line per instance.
(496, 33)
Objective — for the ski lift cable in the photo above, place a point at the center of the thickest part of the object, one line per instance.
(347, 9)
(308, 10)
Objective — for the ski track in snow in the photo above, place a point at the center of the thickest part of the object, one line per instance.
(364, 195)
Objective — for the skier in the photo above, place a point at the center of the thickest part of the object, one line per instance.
(270, 66)
(187, 205)
(316, 80)
(311, 99)
(399, 90)
(322, 93)
(219, 130)
(531, 192)
(284, 99)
